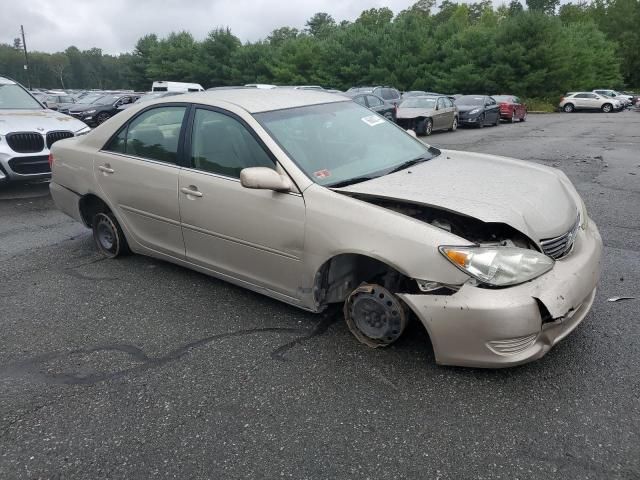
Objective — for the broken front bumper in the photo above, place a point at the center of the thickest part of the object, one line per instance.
(482, 327)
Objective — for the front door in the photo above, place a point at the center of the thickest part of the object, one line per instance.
(138, 174)
(255, 236)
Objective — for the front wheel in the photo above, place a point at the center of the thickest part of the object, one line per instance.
(374, 315)
(102, 117)
(427, 127)
(481, 121)
(108, 235)
(606, 108)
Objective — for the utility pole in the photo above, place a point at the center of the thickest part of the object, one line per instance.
(26, 57)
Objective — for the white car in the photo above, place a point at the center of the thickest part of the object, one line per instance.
(625, 100)
(27, 131)
(573, 101)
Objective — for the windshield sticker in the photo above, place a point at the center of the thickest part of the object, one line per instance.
(372, 120)
(322, 174)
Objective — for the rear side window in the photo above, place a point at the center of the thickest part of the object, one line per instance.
(441, 103)
(222, 145)
(360, 100)
(374, 101)
(154, 135)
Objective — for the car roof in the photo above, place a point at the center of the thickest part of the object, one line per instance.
(263, 100)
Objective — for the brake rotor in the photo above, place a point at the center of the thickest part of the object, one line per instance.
(374, 315)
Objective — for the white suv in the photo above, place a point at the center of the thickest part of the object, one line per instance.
(27, 131)
(625, 100)
(588, 101)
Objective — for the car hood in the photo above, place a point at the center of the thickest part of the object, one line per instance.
(414, 112)
(538, 201)
(468, 108)
(37, 120)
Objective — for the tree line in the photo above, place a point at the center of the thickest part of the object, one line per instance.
(539, 51)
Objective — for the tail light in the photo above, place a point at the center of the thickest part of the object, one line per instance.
(562, 99)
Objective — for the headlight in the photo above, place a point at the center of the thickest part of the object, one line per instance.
(499, 266)
(474, 111)
(89, 112)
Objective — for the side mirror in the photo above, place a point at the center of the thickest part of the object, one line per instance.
(264, 178)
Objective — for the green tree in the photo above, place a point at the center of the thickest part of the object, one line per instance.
(320, 24)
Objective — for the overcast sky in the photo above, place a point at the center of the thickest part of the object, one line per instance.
(116, 25)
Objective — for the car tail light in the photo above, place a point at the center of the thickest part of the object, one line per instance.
(562, 99)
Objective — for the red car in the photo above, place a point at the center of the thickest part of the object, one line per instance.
(511, 108)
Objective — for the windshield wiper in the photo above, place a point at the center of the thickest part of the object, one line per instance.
(410, 163)
(350, 181)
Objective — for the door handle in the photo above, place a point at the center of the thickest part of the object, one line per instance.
(106, 168)
(191, 190)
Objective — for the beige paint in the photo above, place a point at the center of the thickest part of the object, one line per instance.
(276, 242)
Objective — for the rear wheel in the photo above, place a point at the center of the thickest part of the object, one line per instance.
(108, 235)
(568, 108)
(454, 124)
(607, 107)
(524, 116)
(375, 316)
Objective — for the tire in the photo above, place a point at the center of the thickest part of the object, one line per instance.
(454, 124)
(568, 108)
(524, 117)
(481, 121)
(108, 236)
(513, 117)
(102, 117)
(426, 127)
(497, 120)
(375, 316)
(606, 108)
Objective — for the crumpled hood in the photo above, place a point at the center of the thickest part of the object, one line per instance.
(538, 201)
(41, 121)
(414, 112)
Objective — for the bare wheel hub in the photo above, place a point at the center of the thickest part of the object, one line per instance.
(374, 315)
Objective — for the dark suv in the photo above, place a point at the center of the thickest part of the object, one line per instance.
(388, 94)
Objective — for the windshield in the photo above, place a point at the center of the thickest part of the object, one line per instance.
(13, 96)
(470, 100)
(105, 100)
(419, 103)
(335, 142)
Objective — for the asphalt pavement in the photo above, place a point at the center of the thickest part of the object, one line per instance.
(136, 368)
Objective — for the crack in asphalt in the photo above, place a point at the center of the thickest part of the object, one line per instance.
(32, 367)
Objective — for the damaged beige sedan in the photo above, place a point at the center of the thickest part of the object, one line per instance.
(314, 200)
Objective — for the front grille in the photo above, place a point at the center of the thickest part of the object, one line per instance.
(512, 346)
(53, 137)
(558, 247)
(30, 165)
(407, 123)
(25, 142)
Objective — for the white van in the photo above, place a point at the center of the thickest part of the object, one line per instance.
(181, 87)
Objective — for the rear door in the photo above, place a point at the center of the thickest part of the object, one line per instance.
(254, 236)
(492, 110)
(137, 172)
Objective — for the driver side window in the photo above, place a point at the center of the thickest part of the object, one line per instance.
(222, 145)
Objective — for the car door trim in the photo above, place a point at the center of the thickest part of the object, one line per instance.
(149, 215)
(240, 241)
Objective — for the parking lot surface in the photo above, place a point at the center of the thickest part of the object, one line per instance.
(135, 368)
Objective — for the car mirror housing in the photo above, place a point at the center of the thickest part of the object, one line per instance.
(264, 178)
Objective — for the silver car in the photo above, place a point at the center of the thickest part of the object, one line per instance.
(27, 131)
(573, 101)
(314, 200)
